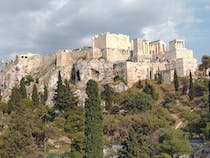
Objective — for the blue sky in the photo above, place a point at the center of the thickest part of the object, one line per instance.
(41, 26)
(197, 34)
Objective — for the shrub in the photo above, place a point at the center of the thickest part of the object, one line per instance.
(139, 102)
(28, 80)
(119, 78)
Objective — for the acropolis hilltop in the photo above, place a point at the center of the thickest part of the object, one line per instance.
(109, 56)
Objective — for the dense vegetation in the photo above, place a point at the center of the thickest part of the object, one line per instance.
(150, 119)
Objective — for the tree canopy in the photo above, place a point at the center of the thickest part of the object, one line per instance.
(93, 122)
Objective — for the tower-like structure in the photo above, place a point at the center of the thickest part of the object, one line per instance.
(181, 58)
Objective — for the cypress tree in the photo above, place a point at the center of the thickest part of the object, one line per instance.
(35, 96)
(0, 96)
(59, 92)
(159, 78)
(176, 81)
(107, 95)
(45, 96)
(23, 89)
(191, 88)
(93, 122)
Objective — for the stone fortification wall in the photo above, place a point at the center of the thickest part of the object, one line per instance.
(185, 65)
(47, 60)
(83, 53)
(167, 76)
(31, 62)
(120, 70)
(96, 54)
(114, 41)
(134, 71)
(63, 58)
(69, 57)
(184, 54)
(176, 54)
(116, 55)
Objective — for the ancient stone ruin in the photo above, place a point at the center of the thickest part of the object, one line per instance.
(109, 56)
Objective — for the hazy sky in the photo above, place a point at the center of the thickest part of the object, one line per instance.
(45, 26)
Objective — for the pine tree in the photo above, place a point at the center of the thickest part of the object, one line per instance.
(69, 101)
(23, 89)
(19, 135)
(107, 95)
(191, 88)
(35, 96)
(93, 122)
(59, 92)
(176, 81)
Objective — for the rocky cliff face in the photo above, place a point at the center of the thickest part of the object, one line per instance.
(44, 71)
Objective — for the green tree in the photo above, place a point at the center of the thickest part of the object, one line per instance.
(65, 97)
(200, 88)
(205, 62)
(176, 81)
(14, 99)
(19, 136)
(159, 78)
(139, 102)
(74, 127)
(0, 95)
(149, 89)
(35, 96)
(191, 88)
(28, 79)
(23, 89)
(45, 95)
(184, 84)
(69, 100)
(135, 146)
(139, 84)
(93, 122)
(59, 92)
(107, 95)
(174, 142)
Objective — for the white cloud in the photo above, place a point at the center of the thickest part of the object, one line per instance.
(50, 25)
(165, 31)
(86, 41)
(58, 4)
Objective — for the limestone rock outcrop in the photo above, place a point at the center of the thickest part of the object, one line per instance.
(76, 71)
